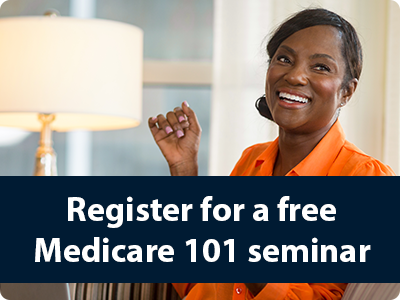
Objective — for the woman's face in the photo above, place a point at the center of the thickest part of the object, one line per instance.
(304, 80)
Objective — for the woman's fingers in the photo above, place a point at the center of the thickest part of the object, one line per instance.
(173, 121)
(182, 118)
(153, 126)
(164, 125)
(167, 126)
(160, 128)
(192, 118)
(178, 136)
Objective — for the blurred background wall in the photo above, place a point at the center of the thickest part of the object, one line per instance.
(230, 34)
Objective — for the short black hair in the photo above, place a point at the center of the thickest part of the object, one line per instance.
(351, 46)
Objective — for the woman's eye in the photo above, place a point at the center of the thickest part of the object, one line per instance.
(283, 59)
(322, 68)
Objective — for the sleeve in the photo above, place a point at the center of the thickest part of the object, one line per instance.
(373, 168)
(302, 291)
(183, 288)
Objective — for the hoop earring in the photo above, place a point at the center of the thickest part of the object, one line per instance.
(263, 109)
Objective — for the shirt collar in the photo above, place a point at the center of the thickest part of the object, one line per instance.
(317, 163)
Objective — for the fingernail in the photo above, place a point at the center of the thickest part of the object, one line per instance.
(154, 118)
(187, 104)
(179, 134)
(168, 130)
(181, 119)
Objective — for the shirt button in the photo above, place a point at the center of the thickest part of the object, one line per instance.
(238, 291)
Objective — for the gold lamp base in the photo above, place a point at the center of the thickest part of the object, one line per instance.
(45, 155)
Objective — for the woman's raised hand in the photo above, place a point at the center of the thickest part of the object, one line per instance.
(178, 137)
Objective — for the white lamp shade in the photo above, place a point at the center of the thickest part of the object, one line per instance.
(86, 71)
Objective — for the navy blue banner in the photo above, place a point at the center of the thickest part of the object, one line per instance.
(335, 229)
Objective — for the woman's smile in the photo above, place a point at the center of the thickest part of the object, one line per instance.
(291, 99)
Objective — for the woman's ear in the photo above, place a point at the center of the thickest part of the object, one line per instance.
(349, 90)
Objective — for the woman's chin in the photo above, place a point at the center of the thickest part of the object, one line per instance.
(289, 124)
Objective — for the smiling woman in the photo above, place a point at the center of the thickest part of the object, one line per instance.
(315, 65)
(314, 68)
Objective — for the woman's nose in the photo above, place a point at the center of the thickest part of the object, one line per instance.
(296, 76)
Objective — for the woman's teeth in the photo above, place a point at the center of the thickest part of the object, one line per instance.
(291, 98)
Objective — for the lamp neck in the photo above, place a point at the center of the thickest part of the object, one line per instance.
(45, 134)
(45, 154)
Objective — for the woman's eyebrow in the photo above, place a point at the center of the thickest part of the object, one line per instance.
(320, 55)
(314, 56)
(288, 49)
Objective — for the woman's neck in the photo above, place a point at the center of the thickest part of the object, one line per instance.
(294, 147)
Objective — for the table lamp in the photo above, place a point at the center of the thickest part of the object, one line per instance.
(62, 73)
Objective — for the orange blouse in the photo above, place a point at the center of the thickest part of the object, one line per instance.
(333, 156)
(272, 291)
